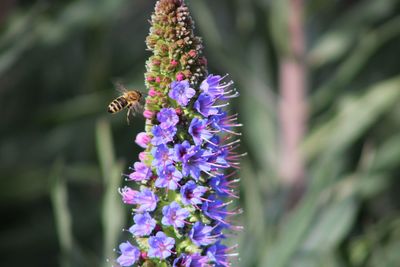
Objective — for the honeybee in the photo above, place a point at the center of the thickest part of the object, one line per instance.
(130, 99)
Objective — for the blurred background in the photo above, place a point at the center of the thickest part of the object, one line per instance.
(320, 93)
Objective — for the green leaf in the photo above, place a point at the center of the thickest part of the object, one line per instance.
(353, 118)
(62, 214)
(113, 215)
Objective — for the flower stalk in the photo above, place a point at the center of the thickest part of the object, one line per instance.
(187, 173)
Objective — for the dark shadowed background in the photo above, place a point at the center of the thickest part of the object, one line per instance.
(320, 93)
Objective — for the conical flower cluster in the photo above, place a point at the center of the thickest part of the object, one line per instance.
(186, 175)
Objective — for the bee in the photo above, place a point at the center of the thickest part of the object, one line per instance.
(130, 99)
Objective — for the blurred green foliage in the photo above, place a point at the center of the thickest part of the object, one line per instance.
(61, 155)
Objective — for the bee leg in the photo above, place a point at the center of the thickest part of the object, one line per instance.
(127, 115)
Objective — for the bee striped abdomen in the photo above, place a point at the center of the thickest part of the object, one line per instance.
(117, 104)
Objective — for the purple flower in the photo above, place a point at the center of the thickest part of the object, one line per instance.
(204, 105)
(160, 246)
(211, 86)
(192, 193)
(215, 209)
(167, 117)
(180, 150)
(146, 200)
(144, 224)
(201, 235)
(223, 122)
(162, 156)
(142, 172)
(181, 92)
(194, 161)
(174, 215)
(219, 253)
(198, 130)
(169, 177)
(162, 136)
(222, 186)
(193, 260)
(128, 195)
(142, 139)
(129, 254)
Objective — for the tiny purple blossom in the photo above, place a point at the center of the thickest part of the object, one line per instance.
(215, 209)
(192, 260)
(160, 246)
(162, 136)
(162, 156)
(198, 130)
(211, 86)
(174, 215)
(192, 193)
(129, 254)
(181, 92)
(180, 150)
(167, 118)
(194, 161)
(146, 200)
(168, 177)
(144, 224)
(142, 172)
(204, 105)
(201, 235)
(218, 254)
(128, 195)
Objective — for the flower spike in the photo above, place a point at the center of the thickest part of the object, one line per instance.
(187, 173)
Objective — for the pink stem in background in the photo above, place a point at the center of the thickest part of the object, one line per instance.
(293, 106)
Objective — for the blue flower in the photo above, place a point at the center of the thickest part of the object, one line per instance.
(222, 186)
(192, 260)
(223, 122)
(181, 92)
(167, 118)
(201, 235)
(180, 150)
(198, 130)
(219, 253)
(194, 161)
(168, 177)
(129, 254)
(144, 224)
(174, 215)
(204, 105)
(192, 193)
(162, 156)
(211, 86)
(215, 209)
(142, 172)
(160, 246)
(147, 200)
(162, 136)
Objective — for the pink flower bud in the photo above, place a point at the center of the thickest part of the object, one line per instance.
(192, 53)
(178, 111)
(143, 156)
(148, 114)
(152, 92)
(142, 139)
(180, 76)
(174, 63)
(158, 80)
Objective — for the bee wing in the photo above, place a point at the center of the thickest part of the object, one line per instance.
(137, 108)
(120, 87)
